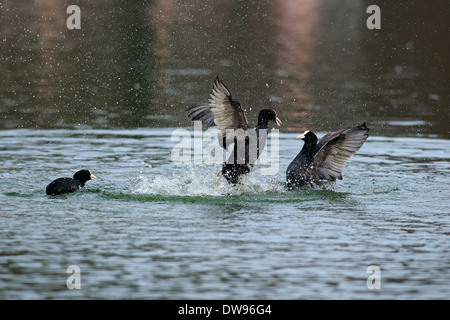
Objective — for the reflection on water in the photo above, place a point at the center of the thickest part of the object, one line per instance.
(140, 64)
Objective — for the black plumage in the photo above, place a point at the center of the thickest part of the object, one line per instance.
(225, 112)
(240, 164)
(324, 159)
(68, 185)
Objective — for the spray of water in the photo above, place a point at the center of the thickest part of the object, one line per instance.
(201, 180)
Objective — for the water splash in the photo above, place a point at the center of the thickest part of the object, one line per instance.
(203, 181)
(143, 165)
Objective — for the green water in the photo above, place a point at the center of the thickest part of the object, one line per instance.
(179, 231)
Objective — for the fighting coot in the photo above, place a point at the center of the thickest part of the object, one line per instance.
(324, 159)
(225, 112)
(67, 185)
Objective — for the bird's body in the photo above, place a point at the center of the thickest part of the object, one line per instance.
(324, 159)
(299, 170)
(63, 185)
(227, 114)
(68, 185)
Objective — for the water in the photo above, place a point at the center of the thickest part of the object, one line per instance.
(150, 229)
(108, 97)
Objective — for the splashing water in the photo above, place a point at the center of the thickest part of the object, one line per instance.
(202, 181)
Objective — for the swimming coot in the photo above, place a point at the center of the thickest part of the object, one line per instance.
(68, 185)
(225, 112)
(324, 159)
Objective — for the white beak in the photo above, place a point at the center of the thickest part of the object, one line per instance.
(302, 136)
(278, 121)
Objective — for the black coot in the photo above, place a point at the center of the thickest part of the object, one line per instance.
(324, 159)
(67, 185)
(225, 112)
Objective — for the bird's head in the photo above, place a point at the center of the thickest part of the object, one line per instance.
(267, 115)
(84, 175)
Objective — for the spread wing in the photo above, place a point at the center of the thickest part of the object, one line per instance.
(221, 110)
(201, 112)
(334, 149)
(227, 112)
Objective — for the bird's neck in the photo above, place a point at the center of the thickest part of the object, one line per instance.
(263, 123)
(80, 181)
(308, 149)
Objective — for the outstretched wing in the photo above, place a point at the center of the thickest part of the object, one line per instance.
(227, 112)
(334, 149)
(201, 112)
(221, 110)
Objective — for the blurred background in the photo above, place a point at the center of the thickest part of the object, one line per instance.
(140, 63)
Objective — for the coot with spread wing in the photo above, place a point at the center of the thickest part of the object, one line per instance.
(225, 112)
(324, 159)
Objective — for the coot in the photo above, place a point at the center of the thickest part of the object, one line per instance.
(324, 159)
(68, 185)
(225, 112)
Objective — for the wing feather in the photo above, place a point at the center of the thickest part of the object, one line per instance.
(221, 110)
(227, 112)
(201, 112)
(334, 149)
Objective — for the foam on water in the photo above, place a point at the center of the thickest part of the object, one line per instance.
(203, 181)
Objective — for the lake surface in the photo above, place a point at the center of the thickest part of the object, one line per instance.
(179, 231)
(111, 96)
